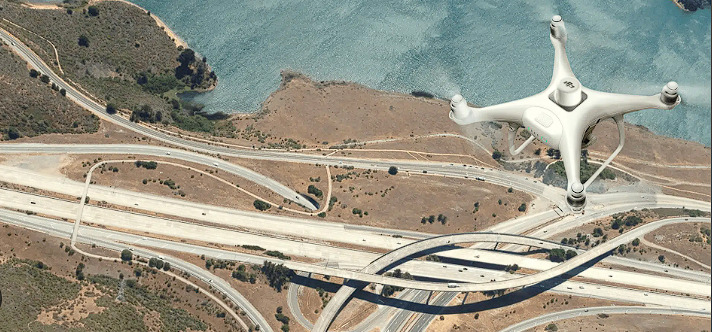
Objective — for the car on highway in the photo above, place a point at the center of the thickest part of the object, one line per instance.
(168, 153)
(215, 164)
(452, 285)
(479, 178)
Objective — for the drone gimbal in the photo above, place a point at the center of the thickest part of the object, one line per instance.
(564, 115)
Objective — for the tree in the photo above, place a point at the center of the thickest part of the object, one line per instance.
(110, 108)
(557, 255)
(522, 207)
(152, 262)
(93, 11)
(597, 232)
(393, 170)
(661, 258)
(44, 78)
(34, 73)
(159, 264)
(261, 205)
(312, 189)
(126, 255)
(551, 327)
(62, 92)
(636, 242)
(166, 266)
(12, 133)
(83, 41)
(496, 155)
(570, 254)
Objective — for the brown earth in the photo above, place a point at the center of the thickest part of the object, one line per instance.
(657, 323)
(25, 244)
(682, 239)
(498, 318)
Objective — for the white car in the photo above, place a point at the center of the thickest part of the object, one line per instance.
(215, 164)
(168, 153)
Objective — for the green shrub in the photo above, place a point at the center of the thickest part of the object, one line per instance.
(261, 205)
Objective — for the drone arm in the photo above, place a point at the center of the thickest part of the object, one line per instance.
(609, 105)
(562, 68)
(506, 112)
(621, 140)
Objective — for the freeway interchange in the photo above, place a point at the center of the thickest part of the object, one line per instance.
(305, 236)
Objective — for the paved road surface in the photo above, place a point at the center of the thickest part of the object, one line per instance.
(346, 291)
(86, 235)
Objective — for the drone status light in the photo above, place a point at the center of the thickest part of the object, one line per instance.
(564, 115)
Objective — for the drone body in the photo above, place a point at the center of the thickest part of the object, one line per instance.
(564, 115)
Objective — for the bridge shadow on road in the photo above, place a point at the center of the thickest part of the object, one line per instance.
(495, 302)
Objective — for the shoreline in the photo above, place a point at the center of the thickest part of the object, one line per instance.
(176, 39)
(56, 5)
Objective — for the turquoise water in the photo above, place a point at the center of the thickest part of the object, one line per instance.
(490, 51)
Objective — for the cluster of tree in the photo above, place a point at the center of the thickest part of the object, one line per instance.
(158, 84)
(192, 71)
(553, 153)
(432, 258)
(79, 272)
(252, 247)
(560, 255)
(389, 290)
(511, 268)
(282, 318)
(431, 219)
(146, 114)
(278, 254)
(693, 213)
(146, 164)
(261, 205)
(579, 238)
(622, 249)
(216, 264)
(629, 221)
(358, 211)
(277, 274)
(242, 274)
(159, 264)
(312, 189)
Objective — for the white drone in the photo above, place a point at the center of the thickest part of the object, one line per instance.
(564, 115)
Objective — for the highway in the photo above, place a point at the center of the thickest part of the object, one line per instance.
(156, 151)
(88, 235)
(52, 226)
(356, 259)
(610, 310)
(294, 227)
(339, 299)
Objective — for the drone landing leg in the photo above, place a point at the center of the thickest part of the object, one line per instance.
(621, 140)
(511, 136)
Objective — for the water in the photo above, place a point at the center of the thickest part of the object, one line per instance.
(490, 51)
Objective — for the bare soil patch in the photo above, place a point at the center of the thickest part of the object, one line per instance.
(632, 322)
